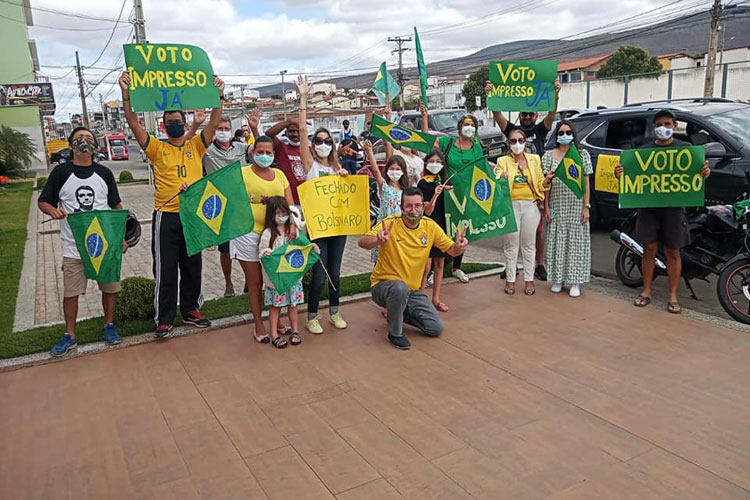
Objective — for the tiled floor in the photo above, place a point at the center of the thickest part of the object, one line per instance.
(541, 397)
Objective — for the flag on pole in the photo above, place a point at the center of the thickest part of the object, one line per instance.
(396, 134)
(215, 209)
(421, 67)
(99, 235)
(287, 264)
(570, 171)
(385, 84)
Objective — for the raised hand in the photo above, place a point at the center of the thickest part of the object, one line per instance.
(367, 145)
(558, 86)
(303, 85)
(385, 233)
(618, 171)
(706, 170)
(488, 87)
(423, 109)
(218, 82)
(254, 119)
(124, 82)
(199, 116)
(461, 240)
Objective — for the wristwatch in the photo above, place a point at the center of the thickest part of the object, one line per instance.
(588, 205)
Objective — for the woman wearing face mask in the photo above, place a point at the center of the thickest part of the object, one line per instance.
(320, 160)
(567, 233)
(261, 183)
(432, 185)
(458, 152)
(527, 187)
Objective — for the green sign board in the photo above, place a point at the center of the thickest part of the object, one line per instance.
(167, 76)
(522, 85)
(662, 177)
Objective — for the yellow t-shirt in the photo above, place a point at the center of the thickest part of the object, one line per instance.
(174, 165)
(404, 255)
(519, 187)
(250, 140)
(259, 189)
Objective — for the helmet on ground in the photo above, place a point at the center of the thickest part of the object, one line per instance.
(132, 230)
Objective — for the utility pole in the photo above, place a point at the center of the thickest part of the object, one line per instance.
(104, 120)
(140, 37)
(283, 90)
(713, 43)
(400, 41)
(82, 91)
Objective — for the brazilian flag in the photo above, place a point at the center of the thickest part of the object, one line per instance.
(389, 131)
(385, 84)
(287, 264)
(99, 235)
(479, 202)
(215, 209)
(570, 171)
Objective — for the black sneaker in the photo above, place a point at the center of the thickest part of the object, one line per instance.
(163, 331)
(399, 342)
(540, 272)
(196, 319)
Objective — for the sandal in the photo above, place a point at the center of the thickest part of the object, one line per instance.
(529, 291)
(440, 306)
(642, 301)
(279, 342)
(295, 339)
(284, 331)
(262, 339)
(674, 307)
(510, 290)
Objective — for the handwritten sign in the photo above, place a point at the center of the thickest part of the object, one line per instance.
(335, 205)
(662, 177)
(522, 85)
(169, 77)
(604, 177)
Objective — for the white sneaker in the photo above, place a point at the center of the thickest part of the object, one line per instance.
(575, 291)
(556, 287)
(431, 279)
(462, 276)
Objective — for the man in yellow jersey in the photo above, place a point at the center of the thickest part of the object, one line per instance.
(177, 164)
(405, 241)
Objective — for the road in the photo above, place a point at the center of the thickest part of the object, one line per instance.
(134, 163)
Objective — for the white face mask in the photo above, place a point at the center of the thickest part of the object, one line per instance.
(663, 133)
(294, 144)
(468, 131)
(395, 175)
(434, 167)
(223, 136)
(518, 148)
(323, 150)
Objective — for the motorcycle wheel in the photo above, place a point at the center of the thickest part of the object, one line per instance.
(733, 290)
(628, 268)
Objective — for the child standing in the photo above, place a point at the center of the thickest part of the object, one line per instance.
(279, 230)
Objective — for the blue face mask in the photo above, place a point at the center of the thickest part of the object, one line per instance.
(263, 160)
(564, 139)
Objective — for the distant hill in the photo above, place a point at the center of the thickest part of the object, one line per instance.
(687, 34)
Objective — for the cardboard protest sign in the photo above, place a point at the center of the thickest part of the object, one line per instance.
(604, 176)
(335, 205)
(169, 76)
(522, 86)
(662, 177)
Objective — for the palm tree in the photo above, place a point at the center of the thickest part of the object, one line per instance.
(16, 151)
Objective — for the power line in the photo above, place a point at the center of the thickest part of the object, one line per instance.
(56, 27)
(61, 12)
(119, 16)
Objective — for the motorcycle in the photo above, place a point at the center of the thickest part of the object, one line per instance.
(719, 245)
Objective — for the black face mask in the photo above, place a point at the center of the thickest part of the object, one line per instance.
(175, 130)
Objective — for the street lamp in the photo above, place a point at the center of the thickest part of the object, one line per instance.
(283, 90)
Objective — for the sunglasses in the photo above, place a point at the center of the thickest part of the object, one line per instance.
(523, 113)
(565, 132)
(319, 140)
(517, 141)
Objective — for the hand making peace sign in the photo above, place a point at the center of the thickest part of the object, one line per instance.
(385, 233)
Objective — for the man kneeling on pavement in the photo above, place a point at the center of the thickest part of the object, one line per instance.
(405, 241)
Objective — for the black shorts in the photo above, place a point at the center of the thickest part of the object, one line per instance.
(435, 252)
(224, 247)
(667, 226)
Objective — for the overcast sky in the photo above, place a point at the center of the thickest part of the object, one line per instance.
(249, 41)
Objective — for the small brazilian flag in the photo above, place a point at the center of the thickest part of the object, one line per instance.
(385, 84)
(570, 171)
(215, 209)
(99, 235)
(287, 264)
(389, 131)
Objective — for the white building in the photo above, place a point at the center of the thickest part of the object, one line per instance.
(445, 92)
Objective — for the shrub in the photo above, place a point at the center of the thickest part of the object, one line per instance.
(41, 182)
(17, 152)
(136, 299)
(125, 175)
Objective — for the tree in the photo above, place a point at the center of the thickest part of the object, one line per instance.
(276, 96)
(629, 60)
(474, 86)
(16, 151)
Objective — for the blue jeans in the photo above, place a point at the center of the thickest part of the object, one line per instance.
(331, 255)
(350, 165)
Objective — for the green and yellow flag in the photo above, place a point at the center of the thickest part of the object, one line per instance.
(420, 67)
(215, 209)
(385, 84)
(570, 171)
(287, 264)
(389, 131)
(99, 235)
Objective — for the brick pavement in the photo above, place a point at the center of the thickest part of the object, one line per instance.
(138, 262)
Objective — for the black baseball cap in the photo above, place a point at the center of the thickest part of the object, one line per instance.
(662, 113)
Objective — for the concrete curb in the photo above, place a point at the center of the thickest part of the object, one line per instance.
(26, 298)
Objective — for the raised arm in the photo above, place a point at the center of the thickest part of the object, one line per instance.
(550, 118)
(199, 116)
(304, 144)
(274, 130)
(215, 118)
(141, 135)
(425, 118)
(499, 117)
(253, 121)
(387, 115)
(367, 146)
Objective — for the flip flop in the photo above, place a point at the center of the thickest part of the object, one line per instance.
(642, 301)
(279, 342)
(262, 339)
(440, 307)
(295, 339)
(674, 307)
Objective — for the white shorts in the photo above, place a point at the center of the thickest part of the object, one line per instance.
(245, 247)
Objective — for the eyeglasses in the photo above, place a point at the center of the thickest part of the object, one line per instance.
(526, 113)
(413, 206)
(565, 132)
(517, 141)
(319, 140)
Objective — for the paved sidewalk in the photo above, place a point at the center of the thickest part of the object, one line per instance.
(138, 262)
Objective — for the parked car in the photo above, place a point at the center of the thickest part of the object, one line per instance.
(720, 125)
(61, 156)
(444, 122)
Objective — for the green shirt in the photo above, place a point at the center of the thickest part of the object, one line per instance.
(457, 157)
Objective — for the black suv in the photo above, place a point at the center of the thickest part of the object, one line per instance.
(721, 125)
(445, 121)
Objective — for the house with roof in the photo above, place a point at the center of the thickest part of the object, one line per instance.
(580, 69)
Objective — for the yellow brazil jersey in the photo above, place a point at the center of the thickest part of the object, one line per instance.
(258, 190)
(174, 165)
(250, 140)
(404, 255)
